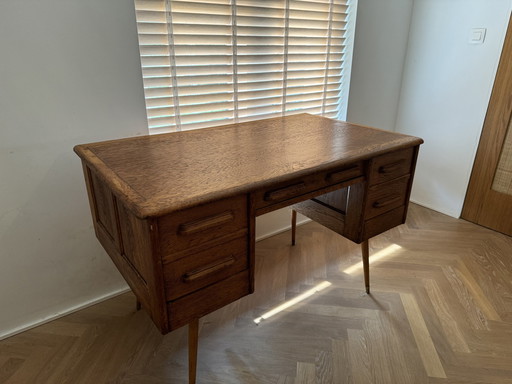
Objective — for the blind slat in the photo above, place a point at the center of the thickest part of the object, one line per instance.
(206, 62)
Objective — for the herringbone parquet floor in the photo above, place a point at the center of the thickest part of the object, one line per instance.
(440, 311)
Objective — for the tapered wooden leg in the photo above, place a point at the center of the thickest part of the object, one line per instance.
(366, 264)
(294, 225)
(138, 306)
(193, 338)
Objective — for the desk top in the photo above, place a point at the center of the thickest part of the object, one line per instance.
(159, 174)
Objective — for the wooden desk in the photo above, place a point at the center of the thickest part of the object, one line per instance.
(176, 212)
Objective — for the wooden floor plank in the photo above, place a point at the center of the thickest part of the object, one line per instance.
(340, 361)
(360, 364)
(305, 373)
(426, 347)
(452, 329)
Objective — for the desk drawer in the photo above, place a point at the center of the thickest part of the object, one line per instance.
(391, 166)
(204, 268)
(207, 300)
(386, 196)
(384, 222)
(182, 230)
(288, 190)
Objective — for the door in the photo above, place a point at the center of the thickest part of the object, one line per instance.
(489, 196)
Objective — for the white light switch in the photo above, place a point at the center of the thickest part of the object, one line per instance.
(477, 35)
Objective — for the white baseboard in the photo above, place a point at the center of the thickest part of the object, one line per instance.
(455, 216)
(275, 222)
(67, 311)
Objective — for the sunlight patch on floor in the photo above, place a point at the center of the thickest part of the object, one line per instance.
(295, 300)
(391, 250)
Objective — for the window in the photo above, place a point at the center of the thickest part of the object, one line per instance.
(212, 62)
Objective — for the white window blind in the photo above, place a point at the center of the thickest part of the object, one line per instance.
(209, 62)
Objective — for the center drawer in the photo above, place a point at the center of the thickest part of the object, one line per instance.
(288, 190)
(204, 268)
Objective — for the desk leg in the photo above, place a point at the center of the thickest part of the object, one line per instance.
(294, 225)
(138, 306)
(193, 337)
(366, 264)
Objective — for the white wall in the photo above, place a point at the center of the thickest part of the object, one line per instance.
(69, 74)
(382, 30)
(445, 92)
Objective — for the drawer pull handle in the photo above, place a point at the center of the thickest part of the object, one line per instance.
(342, 175)
(382, 204)
(204, 224)
(392, 167)
(207, 270)
(282, 193)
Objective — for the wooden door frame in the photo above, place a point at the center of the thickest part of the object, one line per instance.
(491, 140)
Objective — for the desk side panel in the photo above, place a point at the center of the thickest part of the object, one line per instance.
(129, 241)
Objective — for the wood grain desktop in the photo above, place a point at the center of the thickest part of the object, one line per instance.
(176, 212)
